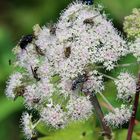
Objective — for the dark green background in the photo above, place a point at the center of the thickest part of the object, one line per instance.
(17, 18)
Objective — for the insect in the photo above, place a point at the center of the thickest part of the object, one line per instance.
(129, 99)
(25, 40)
(19, 91)
(67, 52)
(36, 100)
(39, 51)
(89, 2)
(80, 79)
(53, 30)
(90, 20)
(34, 72)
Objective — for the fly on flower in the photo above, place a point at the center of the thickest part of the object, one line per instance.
(34, 72)
(36, 100)
(67, 52)
(39, 51)
(19, 91)
(52, 30)
(90, 20)
(25, 40)
(79, 80)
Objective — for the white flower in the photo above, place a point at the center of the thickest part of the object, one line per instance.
(65, 87)
(98, 39)
(44, 88)
(31, 96)
(118, 117)
(126, 86)
(27, 125)
(81, 40)
(94, 83)
(135, 48)
(14, 82)
(44, 39)
(26, 57)
(54, 116)
(79, 108)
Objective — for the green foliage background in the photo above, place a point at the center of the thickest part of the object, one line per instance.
(16, 19)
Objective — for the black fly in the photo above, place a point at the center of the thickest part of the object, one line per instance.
(80, 79)
(25, 40)
(34, 72)
(88, 2)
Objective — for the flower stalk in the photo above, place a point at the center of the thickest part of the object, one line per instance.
(133, 117)
(106, 130)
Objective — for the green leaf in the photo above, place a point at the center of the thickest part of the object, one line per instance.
(119, 8)
(75, 131)
(43, 129)
(7, 107)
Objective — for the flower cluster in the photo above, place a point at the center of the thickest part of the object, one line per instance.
(126, 86)
(60, 68)
(132, 24)
(118, 117)
(28, 126)
(54, 116)
(79, 108)
(13, 83)
(135, 48)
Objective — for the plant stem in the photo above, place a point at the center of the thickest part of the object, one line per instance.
(134, 111)
(105, 99)
(106, 130)
(107, 76)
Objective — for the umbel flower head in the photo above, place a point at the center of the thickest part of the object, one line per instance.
(126, 86)
(59, 67)
(135, 48)
(118, 117)
(132, 24)
(132, 29)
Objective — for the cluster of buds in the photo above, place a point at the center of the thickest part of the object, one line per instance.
(59, 65)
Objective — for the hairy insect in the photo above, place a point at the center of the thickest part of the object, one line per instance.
(67, 52)
(79, 80)
(19, 91)
(25, 40)
(34, 72)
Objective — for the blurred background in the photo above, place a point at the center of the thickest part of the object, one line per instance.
(17, 17)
